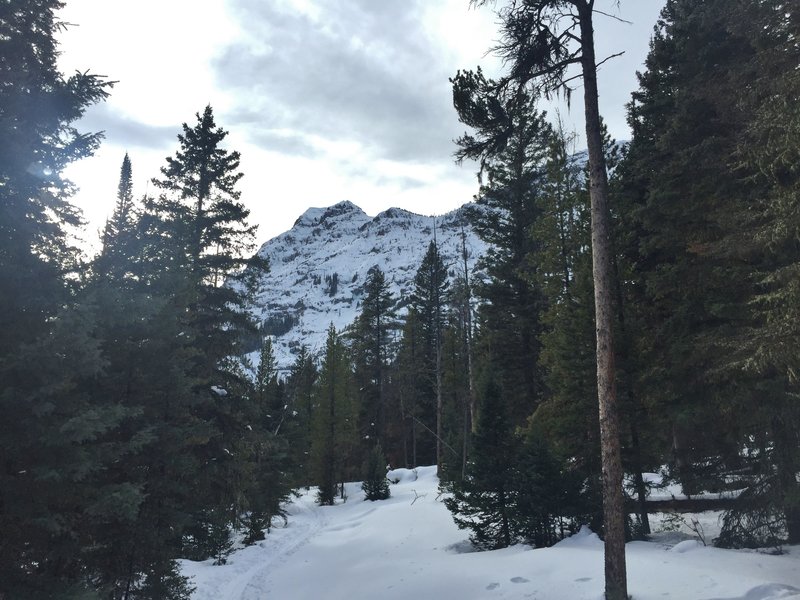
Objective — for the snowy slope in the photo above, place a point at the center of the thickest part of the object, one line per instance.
(298, 300)
(407, 547)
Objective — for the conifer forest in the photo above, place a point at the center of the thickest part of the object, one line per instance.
(636, 311)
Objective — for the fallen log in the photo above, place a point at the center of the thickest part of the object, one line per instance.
(682, 505)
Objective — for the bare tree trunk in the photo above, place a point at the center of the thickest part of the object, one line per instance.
(473, 402)
(439, 403)
(641, 490)
(613, 503)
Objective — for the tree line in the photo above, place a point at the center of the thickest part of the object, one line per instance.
(135, 431)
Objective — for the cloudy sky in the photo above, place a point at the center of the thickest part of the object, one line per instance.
(325, 99)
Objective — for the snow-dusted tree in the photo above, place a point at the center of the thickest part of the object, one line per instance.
(375, 483)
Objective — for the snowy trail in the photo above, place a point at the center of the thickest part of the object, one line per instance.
(408, 547)
(245, 575)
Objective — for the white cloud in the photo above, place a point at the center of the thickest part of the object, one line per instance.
(325, 99)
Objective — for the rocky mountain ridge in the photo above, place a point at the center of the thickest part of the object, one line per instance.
(318, 268)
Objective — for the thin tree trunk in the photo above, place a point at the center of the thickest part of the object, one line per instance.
(473, 402)
(439, 405)
(636, 447)
(641, 490)
(465, 442)
(613, 503)
(785, 448)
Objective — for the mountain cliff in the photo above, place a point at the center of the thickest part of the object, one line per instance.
(318, 268)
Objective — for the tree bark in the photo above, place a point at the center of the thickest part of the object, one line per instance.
(613, 502)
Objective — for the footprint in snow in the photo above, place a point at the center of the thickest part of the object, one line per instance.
(583, 579)
(493, 586)
(519, 580)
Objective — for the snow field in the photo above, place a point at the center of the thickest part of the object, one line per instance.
(407, 547)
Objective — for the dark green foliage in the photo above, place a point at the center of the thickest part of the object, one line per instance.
(371, 352)
(160, 581)
(708, 247)
(334, 420)
(119, 236)
(514, 490)
(50, 481)
(300, 393)
(208, 536)
(551, 501)
(39, 107)
(375, 483)
(507, 207)
(483, 501)
(412, 394)
(428, 301)
(269, 472)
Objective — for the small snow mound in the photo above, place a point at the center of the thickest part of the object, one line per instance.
(686, 546)
(411, 475)
(769, 591)
(585, 538)
(401, 475)
(219, 391)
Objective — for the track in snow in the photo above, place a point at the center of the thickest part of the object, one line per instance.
(247, 573)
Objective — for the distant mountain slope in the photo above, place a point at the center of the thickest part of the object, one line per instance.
(319, 266)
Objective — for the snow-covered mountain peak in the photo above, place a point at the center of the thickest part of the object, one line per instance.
(318, 267)
(317, 216)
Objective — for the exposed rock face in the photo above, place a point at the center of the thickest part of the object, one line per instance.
(319, 266)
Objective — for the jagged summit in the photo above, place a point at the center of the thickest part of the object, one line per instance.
(319, 266)
(317, 216)
(396, 213)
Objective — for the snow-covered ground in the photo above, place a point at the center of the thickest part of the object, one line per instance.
(408, 548)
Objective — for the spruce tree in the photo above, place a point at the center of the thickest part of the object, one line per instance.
(414, 394)
(767, 154)
(194, 236)
(48, 355)
(269, 480)
(375, 484)
(482, 502)
(333, 422)
(371, 349)
(300, 392)
(429, 302)
(513, 164)
(119, 233)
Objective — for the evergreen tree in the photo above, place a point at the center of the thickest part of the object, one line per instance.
(193, 400)
(375, 484)
(506, 209)
(270, 478)
(456, 392)
(699, 200)
(333, 422)
(413, 395)
(428, 301)
(371, 350)
(119, 234)
(482, 502)
(48, 356)
(766, 155)
(300, 391)
(39, 109)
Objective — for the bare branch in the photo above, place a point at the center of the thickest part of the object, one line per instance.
(610, 16)
(417, 496)
(607, 58)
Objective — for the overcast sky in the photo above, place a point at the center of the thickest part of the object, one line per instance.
(326, 100)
